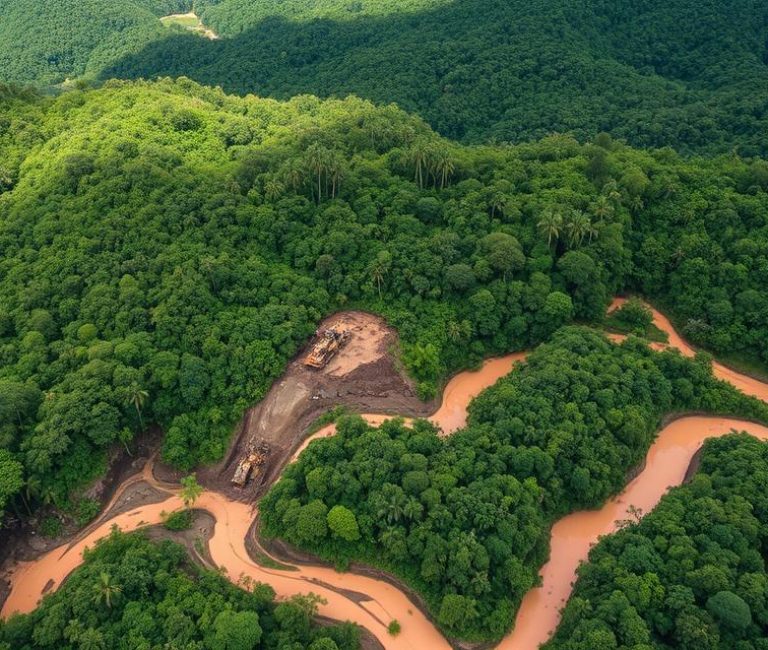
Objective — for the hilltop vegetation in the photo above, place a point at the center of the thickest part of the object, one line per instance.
(691, 575)
(679, 73)
(465, 520)
(166, 248)
(131, 593)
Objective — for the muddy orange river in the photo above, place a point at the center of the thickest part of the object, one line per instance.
(377, 602)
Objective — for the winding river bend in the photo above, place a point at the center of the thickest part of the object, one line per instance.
(372, 603)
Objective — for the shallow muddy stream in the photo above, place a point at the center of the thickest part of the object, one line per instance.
(373, 603)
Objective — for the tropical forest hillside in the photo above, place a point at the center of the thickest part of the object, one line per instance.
(49, 42)
(166, 248)
(465, 521)
(683, 74)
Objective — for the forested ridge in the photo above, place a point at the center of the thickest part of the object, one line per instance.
(690, 575)
(50, 42)
(166, 248)
(132, 593)
(683, 74)
(466, 520)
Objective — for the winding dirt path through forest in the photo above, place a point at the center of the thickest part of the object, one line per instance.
(373, 603)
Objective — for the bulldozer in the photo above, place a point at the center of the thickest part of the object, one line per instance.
(250, 464)
(328, 343)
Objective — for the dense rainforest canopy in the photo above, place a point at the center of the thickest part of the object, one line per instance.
(131, 593)
(466, 520)
(165, 248)
(50, 42)
(685, 74)
(692, 574)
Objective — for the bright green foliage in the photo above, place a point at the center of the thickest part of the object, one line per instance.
(632, 317)
(190, 490)
(235, 631)
(164, 254)
(136, 594)
(179, 520)
(342, 523)
(465, 520)
(691, 574)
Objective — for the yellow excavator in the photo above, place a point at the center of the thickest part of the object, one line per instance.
(250, 465)
(328, 343)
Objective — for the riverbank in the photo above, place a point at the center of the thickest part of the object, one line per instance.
(372, 601)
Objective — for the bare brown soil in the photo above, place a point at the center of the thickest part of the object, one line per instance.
(362, 376)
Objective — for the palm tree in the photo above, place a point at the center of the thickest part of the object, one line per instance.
(392, 508)
(293, 174)
(612, 193)
(443, 166)
(550, 224)
(602, 208)
(419, 155)
(73, 630)
(105, 590)
(317, 160)
(273, 189)
(578, 226)
(137, 396)
(592, 231)
(334, 172)
(32, 489)
(190, 490)
(453, 330)
(413, 509)
(379, 268)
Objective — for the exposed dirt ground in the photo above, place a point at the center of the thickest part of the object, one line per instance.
(362, 376)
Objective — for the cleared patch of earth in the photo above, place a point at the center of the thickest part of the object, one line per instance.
(362, 376)
(191, 22)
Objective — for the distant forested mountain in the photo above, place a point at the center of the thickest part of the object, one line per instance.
(685, 74)
(48, 42)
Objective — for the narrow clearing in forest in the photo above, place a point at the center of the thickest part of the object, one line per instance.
(191, 22)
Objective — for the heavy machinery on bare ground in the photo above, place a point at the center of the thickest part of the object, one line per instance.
(250, 464)
(328, 343)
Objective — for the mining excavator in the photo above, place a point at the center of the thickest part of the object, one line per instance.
(328, 343)
(250, 464)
